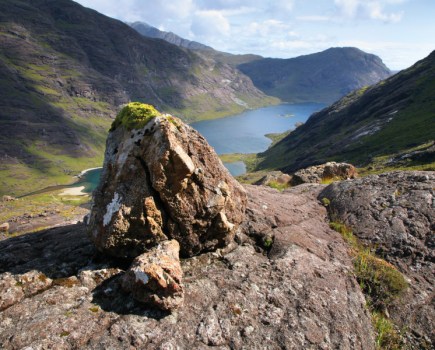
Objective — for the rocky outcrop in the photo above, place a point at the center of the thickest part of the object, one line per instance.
(164, 181)
(394, 212)
(274, 177)
(297, 293)
(328, 171)
(161, 181)
(155, 277)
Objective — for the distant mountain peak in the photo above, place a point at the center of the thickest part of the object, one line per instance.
(152, 32)
(319, 77)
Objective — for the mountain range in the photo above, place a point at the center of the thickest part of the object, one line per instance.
(390, 124)
(320, 77)
(152, 32)
(65, 70)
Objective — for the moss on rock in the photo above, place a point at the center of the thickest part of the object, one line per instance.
(135, 115)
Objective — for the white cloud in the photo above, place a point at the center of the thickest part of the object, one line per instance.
(368, 9)
(263, 5)
(375, 11)
(210, 23)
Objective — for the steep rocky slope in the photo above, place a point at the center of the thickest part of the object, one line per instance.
(321, 77)
(379, 123)
(65, 70)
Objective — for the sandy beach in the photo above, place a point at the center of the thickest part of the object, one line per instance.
(74, 191)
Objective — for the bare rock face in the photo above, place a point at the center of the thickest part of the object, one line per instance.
(395, 212)
(330, 170)
(163, 181)
(299, 293)
(155, 277)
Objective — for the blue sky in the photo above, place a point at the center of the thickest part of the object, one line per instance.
(401, 32)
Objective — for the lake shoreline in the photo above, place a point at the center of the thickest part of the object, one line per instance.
(86, 171)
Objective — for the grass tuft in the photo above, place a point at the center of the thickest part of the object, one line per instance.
(387, 337)
(380, 282)
(278, 185)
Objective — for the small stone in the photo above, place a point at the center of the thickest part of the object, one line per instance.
(155, 277)
(4, 227)
(248, 330)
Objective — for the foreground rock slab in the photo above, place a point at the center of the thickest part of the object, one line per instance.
(161, 182)
(299, 294)
(395, 212)
(155, 277)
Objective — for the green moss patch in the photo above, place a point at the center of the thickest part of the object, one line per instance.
(135, 115)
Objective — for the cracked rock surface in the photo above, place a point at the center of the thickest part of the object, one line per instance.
(395, 212)
(300, 294)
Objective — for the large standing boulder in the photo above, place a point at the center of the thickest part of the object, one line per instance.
(161, 180)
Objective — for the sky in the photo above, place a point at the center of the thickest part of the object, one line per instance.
(401, 32)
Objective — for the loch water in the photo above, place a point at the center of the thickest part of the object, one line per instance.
(245, 132)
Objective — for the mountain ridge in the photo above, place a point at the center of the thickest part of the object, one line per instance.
(320, 77)
(203, 50)
(152, 32)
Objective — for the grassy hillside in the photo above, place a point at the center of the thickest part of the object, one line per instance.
(371, 127)
(66, 70)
